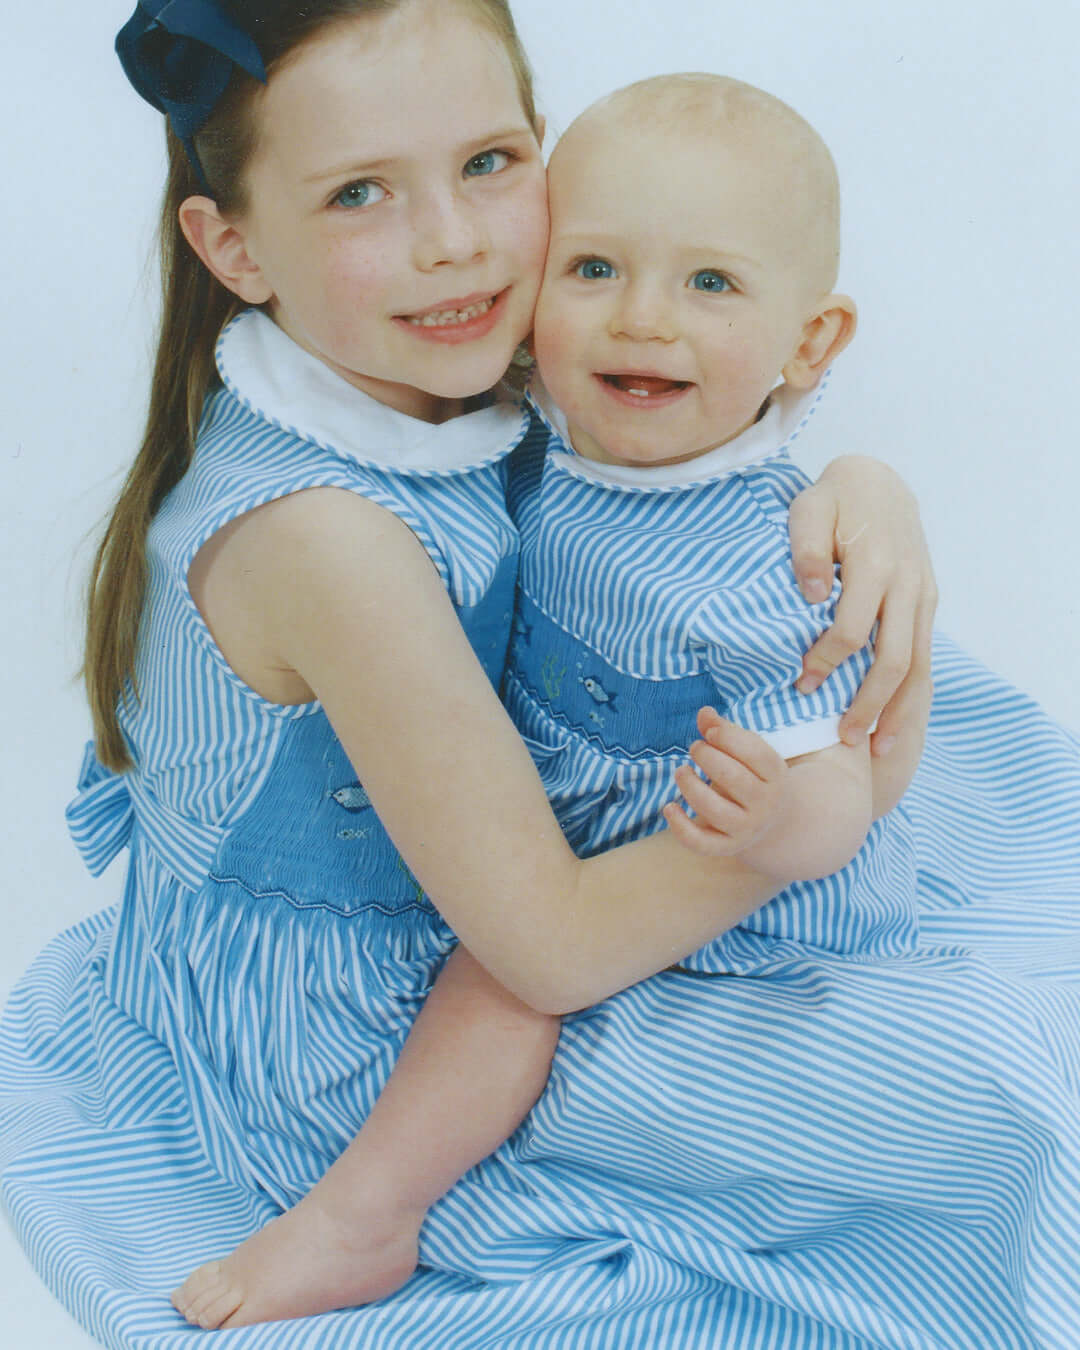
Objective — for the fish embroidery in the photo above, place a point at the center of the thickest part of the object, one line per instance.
(352, 797)
(597, 692)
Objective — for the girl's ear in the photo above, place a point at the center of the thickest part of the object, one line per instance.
(824, 336)
(221, 246)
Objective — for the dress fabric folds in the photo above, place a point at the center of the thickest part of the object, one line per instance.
(856, 1137)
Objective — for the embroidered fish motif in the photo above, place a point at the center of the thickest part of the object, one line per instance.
(596, 691)
(352, 797)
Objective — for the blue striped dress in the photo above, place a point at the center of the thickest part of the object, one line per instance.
(645, 594)
(837, 1150)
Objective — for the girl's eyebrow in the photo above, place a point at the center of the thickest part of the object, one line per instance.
(351, 169)
(519, 129)
(368, 167)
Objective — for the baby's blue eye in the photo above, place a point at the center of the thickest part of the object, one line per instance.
(708, 280)
(594, 269)
(490, 161)
(362, 193)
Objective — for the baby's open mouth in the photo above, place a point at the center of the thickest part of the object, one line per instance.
(645, 386)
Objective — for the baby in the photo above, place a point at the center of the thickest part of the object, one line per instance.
(686, 316)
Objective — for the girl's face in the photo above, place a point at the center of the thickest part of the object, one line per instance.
(397, 205)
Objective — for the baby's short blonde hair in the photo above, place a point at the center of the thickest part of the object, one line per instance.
(726, 112)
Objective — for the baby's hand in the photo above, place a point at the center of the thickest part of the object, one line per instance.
(745, 799)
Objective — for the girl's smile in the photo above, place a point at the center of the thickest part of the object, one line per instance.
(459, 320)
(405, 253)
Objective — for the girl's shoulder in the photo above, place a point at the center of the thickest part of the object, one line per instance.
(282, 423)
(290, 390)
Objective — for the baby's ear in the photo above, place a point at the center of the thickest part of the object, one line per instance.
(824, 336)
(222, 247)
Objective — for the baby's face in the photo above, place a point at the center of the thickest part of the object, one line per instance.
(675, 292)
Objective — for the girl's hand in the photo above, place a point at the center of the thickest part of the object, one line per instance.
(861, 514)
(745, 797)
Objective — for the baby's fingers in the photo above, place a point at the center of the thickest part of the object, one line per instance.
(718, 812)
(727, 776)
(695, 836)
(746, 747)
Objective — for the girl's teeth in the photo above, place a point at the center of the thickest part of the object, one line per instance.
(441, 318)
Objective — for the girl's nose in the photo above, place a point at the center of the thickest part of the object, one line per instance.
(449, 229)
(643, 314)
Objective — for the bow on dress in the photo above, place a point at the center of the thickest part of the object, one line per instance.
(109, 807)
(179, 55)
(101, 817)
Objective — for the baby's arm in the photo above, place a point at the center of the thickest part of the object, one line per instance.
(828, 812)
(810, 824)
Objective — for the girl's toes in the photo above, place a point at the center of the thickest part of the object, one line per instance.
(219, 1311)
(207, 1297)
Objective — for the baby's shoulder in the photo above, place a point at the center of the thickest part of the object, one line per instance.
(773, 485)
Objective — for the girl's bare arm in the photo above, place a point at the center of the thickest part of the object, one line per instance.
(861, 514)
(325, 594)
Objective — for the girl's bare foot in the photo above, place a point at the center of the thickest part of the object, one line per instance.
(306, 1261)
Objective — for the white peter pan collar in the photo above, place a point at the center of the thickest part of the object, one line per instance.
(787, 413)
(266, 371)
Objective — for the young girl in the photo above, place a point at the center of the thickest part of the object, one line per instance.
(178, 1070)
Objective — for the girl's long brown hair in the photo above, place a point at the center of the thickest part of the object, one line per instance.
(194, 309)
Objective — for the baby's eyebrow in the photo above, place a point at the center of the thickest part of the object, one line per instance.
(579, 239)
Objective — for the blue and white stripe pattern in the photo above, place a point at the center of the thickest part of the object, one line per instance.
(877, 1128)
(842, 1151)
(640, 601)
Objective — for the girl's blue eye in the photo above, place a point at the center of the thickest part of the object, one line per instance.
(708, 280)
(594, 269)
(490, 161)
(362, 193)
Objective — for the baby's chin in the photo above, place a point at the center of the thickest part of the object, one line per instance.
(640, 453)
(637, 457)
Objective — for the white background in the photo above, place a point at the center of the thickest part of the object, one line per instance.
(954, 126)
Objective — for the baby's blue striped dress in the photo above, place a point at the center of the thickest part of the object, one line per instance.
(835, 1149)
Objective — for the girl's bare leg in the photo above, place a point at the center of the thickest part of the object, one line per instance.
(474, 1063)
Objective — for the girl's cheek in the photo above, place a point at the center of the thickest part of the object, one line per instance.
(533, 225)
(364, 270)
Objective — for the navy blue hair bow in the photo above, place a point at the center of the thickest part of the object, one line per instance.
(179, 55)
